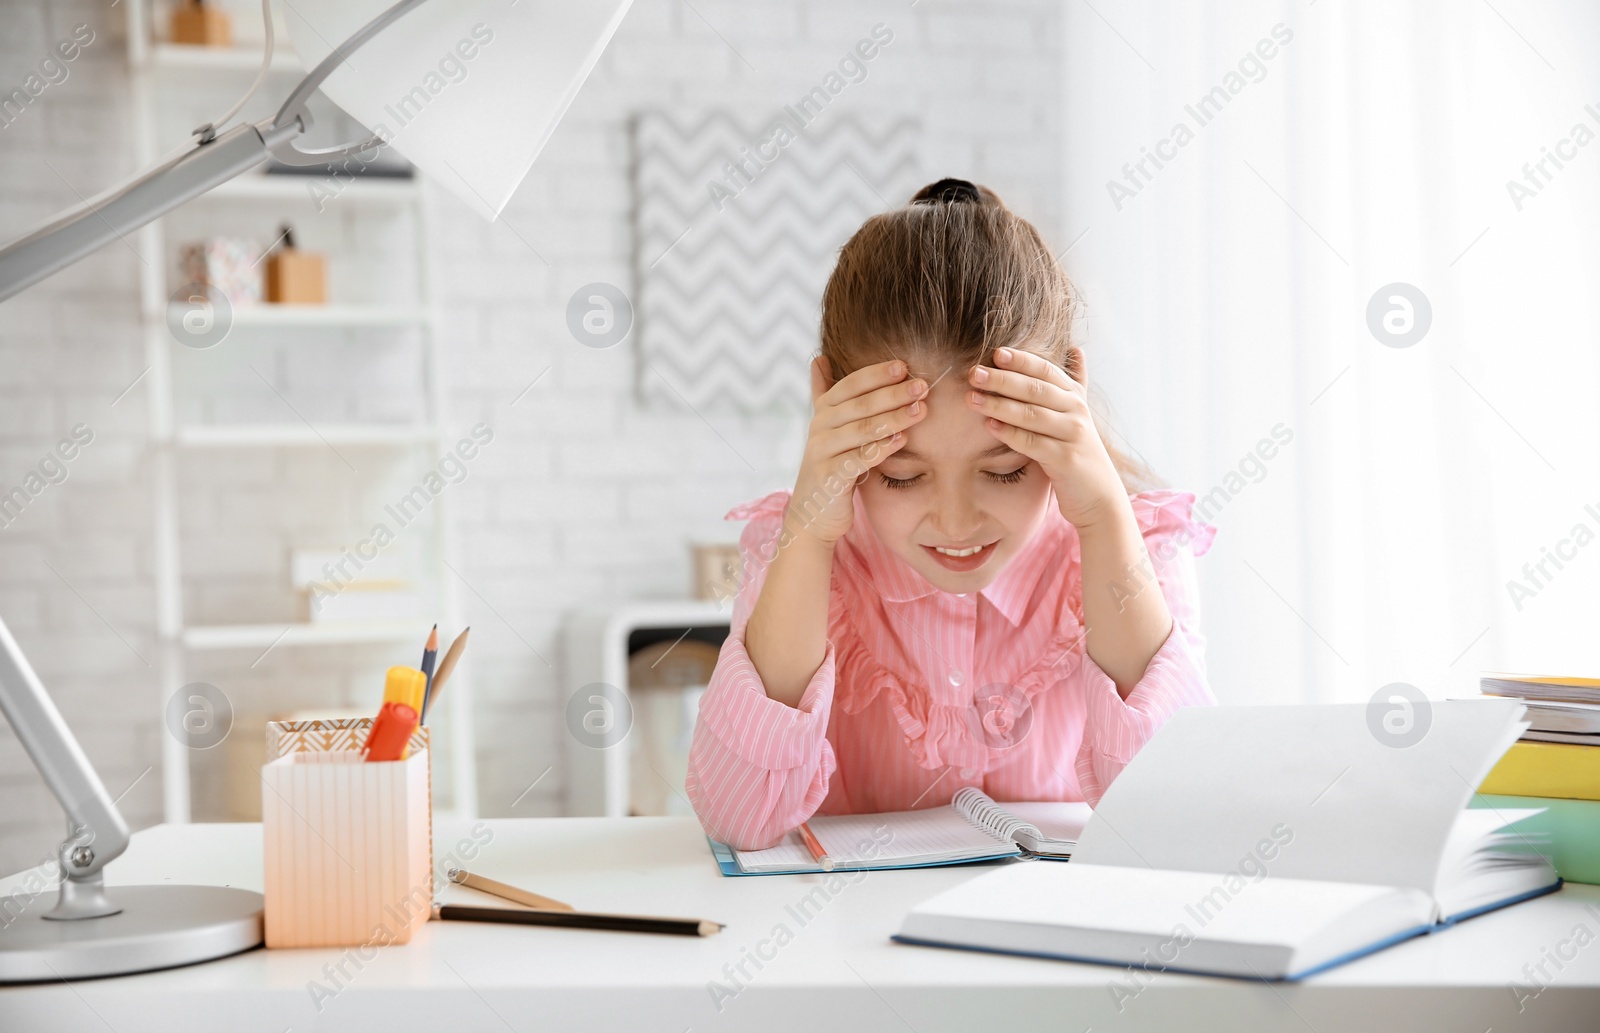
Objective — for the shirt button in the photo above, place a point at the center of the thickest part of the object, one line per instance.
(956, 678)
(968, 772)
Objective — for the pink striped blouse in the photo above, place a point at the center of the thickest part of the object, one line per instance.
(921, 691)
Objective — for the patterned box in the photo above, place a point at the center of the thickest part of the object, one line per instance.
(230, 264)
(348, 844)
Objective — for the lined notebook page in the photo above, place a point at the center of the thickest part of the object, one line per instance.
(902, 837)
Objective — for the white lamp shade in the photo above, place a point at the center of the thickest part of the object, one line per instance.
(468, 90)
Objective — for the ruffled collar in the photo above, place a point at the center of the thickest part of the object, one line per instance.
(974, 727)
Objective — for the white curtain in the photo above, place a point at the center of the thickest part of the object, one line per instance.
(1363, 144)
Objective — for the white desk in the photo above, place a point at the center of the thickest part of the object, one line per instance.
(838, 972)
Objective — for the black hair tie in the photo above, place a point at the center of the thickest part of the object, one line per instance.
(949, 191)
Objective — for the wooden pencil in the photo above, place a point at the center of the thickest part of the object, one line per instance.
(577, 920)
(446, 667)
(495, 887)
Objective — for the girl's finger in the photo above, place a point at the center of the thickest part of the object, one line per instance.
(1027, 442)
(1024, 388)
(882, 400)
(874, 452)
(1040, 419)
(865, 379)
(873, 428)
(1019, 361)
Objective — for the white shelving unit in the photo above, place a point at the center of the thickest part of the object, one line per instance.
(264, 636)
(226, 73)
(328, 315)
(288, 435)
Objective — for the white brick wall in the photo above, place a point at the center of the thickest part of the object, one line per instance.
(583, 498)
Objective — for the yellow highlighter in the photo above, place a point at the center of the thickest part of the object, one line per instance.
(405, 685)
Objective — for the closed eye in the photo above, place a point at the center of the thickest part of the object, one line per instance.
(1009, 478)
(898, 482)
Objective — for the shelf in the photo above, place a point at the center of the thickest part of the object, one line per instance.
(326, 315)
(289, 435)
(266, 314)
(290, 187)
(263, 636)
(384, 227)
(183, 56)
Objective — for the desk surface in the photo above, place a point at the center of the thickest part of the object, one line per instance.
(826, 966)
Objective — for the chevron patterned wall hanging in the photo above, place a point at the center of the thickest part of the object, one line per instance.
(738, 221)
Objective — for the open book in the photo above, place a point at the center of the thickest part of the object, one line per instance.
(972, 828)
(1266, 842)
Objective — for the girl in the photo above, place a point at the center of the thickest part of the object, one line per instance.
(960, 590)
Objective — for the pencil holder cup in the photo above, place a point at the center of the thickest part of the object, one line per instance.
(348, 842)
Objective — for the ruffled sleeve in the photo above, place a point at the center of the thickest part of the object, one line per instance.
(757, 767)
(1167, 522)
(1115, 728)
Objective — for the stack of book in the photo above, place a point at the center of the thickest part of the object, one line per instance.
(1555, 765)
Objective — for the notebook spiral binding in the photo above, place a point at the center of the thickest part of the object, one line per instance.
(974, 805)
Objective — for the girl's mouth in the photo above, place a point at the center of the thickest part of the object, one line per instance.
(961, 559)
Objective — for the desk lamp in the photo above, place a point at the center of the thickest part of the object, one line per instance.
(483, 84)
(468, 90)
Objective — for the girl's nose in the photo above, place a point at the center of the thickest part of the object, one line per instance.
(955, 517)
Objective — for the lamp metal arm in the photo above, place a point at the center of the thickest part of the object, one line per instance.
(97, 832)
(294, 108)
(94, 224)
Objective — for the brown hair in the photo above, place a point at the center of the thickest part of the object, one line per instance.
(943, 281)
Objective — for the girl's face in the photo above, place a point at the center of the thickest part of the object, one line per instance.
(952, 488)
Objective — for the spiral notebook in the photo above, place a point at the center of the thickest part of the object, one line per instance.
(973, 828)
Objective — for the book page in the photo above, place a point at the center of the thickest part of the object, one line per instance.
(899, 837)
(1284, 912)
(1305, 792)
(791, 853)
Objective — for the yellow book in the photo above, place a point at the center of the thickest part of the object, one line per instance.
(1542, 679)
(1546, 769)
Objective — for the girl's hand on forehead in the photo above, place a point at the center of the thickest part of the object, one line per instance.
(1033, 406)
(858, 423)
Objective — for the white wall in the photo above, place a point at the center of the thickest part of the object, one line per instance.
(1230, 295)
(584, 498)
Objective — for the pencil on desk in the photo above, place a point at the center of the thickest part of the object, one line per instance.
(484, 884)
(814, 845)
(577, 920)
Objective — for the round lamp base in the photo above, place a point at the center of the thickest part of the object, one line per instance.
(158, 927)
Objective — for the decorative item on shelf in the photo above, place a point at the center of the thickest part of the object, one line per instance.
(226, 263)
(201, 24)
(665, 682)
(331, 587)
(296, 277)
(718, 570)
